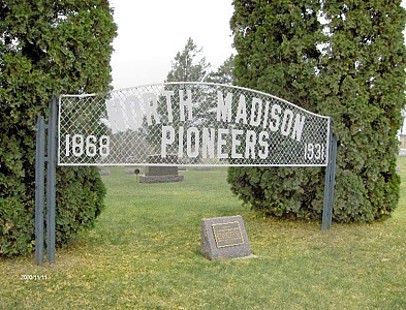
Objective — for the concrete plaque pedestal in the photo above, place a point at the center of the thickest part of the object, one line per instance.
(224, 237)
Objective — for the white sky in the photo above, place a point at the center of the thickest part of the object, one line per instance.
(151, 32)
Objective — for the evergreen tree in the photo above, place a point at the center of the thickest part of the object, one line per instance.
(276, 42)
(363, 83)
(189, 64)
(359, 80)
(47, 48)
(223, 74)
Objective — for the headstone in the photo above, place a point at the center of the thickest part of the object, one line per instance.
(160, 174)
(133, 170)
(224, 237)
(103, 171)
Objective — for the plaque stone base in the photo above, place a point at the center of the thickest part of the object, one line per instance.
(224, 237)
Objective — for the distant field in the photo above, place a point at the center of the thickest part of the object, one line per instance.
(144, 253)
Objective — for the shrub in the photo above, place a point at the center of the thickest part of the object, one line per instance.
(358, 79)
(47, 48)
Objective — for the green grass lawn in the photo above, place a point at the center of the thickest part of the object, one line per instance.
(144, 253)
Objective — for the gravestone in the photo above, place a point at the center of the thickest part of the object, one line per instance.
(161, 174)
(104, 171)
(133, 170)
(224, 237)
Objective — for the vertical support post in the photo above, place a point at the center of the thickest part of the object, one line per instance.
(51, 181)
(39, 190)
(329, 184)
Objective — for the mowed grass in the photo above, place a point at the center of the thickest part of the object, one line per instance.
(144, 253)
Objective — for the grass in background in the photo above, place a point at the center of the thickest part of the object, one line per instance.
(144, 253)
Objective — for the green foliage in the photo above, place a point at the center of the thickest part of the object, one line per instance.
(223, 74)
(82, 201)
(358, 79)
(47, 48)
(364, 81)
(189, 65)
(277, 54)
(16, 227)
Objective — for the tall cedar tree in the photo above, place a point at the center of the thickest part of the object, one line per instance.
(47, 48)
(359, 81)
(362, 85)
(276, 43)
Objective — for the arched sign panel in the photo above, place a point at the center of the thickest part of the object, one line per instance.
(189, 124)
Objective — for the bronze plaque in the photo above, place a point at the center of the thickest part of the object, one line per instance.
(227, 234)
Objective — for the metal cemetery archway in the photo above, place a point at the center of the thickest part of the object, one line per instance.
(183, 124)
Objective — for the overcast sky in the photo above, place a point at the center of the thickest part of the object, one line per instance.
(150, 33)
